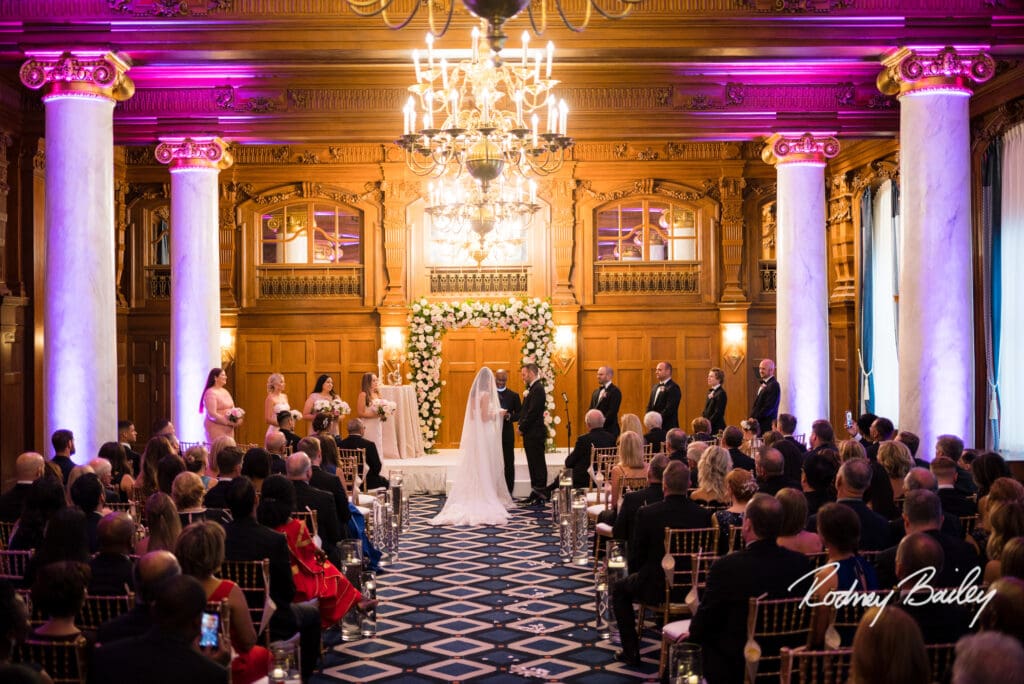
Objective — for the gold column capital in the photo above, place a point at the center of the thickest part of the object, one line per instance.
(194, 153)
(910, 69)
(82, 73)
(799, 148)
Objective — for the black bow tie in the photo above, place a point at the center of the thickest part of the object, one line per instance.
(764, 382)
(661, 384)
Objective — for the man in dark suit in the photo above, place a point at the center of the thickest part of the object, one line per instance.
(286, 426)
(853, 478)
(952, 447)
(112, 567)
(63, 448)
(675, 446)
(607, 398)
(766, 401)
(229, 466)
(277, 446)
(945, 471)
(355, 440)
(165, 654)
(578, 459)
(299, 471)
(786, 424)
(654, 436)
(27, 469)
(324, 481)
(534, 432)
(714, 407)
(940, 623)
(732, 438)
(633, 501)
(762, 567)
(646, 581)
(511, 404)
(817, 478)
(127, 435)
(665, 397)
(247, 540)
(151, 571)
(769, 467)
(87, 494)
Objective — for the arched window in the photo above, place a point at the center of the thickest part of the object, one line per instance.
(647, 230)
(311, 233)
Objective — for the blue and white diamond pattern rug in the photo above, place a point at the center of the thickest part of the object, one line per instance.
(484, 604)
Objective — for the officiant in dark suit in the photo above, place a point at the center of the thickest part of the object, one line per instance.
(766, 401)
(714, 407)
(665, 397)
(607, 398)
(510, 402)
(534, 432)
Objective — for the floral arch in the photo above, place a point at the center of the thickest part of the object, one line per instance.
(429, 321)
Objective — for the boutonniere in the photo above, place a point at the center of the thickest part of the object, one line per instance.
(526, 391)
(711, 394)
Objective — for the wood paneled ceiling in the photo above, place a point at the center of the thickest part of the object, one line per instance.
(309, 71)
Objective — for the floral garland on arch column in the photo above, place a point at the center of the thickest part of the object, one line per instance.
(428, 321)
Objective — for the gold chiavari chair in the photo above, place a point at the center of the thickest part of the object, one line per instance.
(771, 625)
(99, 609)
(6, 530)
(13, 565)
(64, 661)
(253, 578)
(603, 531)
(800, 666)
(309, 519)
(601, 461)
(682, 548)
(968, 523)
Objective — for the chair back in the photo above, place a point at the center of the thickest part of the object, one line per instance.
(967, 524)
(13, 565)
(360, 458)
(99, 609)
(800, 666)
(349, 471)
(64, 661)
(6, 530)
(940, 657)
(773, 624)
(846, 617)
(309, 519)
(253, 578)
(689, 554)
(601, 461)
(649, 451)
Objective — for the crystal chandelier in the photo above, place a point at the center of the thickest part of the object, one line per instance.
(481, 116)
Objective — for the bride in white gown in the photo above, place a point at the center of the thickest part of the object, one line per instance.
(479, 495)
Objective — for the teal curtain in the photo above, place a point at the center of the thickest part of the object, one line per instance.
(991, 187)
(867, 390)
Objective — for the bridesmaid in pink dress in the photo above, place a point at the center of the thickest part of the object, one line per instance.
(216, 402)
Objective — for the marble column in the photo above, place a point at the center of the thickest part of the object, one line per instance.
(195, 164)
(79, 383)
(801, 337)
(936, 321)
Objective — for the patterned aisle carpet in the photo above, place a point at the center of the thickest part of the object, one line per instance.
(484, 604)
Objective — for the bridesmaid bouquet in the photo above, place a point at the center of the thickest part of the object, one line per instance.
(297, 415)
(235, 414)
(384, 408)
(335, 408)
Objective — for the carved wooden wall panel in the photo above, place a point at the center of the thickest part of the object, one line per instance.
(843, 352)
(148, 387)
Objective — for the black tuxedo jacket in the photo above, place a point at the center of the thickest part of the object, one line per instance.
(631, 503)
(773, 484)
(134, 459)
(609, 406)
(766, 404)
(666, 403)
(741, 460)
(156, 656)
(291, 439)
(247, 540)
(326, 515)
(956, 503)
(720, 625)
(531, 416)
(647, 545)
(579, 458)
(372, 458)
(875, 534)
(111, 574)
(792, 458)
(657, 438)
(323, 480)
(714, 409)
(216, 496)
(802, 447)
(511, 402)
(12, 501)
(959, 559)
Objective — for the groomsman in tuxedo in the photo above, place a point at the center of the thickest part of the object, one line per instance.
(714, 407)
(607, 398)
(766, 401)
(509, 401)
(665, 397)
(534, 432)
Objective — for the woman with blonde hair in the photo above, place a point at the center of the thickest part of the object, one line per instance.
(275, 402)
(630, 463)
(630, 422)
(851, 448)
(188, 491)
(218, 446)
(162, 523)
(713, 466)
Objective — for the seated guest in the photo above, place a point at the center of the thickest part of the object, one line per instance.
(45, 497)
(315, 577)
(853, 478)
(861, 429)
(578, 459)
(839, 529)
(953, 502)
(197, 460)
(988, 468)
(200, 551)
(58, 592)
(1003, 612)
(694, 450)
(76, 472)
(786, 424)
(256, 466)
(105, 472)
(65, 540)
(769, 467)
(631, 502)
(162, 523)
(166, 653)
(14, 623)
(700, 428)
(742, 486)
(888, 649)
(732, 439)
(87, 494)
(920, 556)
(300, 471)
(646, 581)
(896, 462)
(822, 436)
(793, 535)
(277, 447)
(1007, 523)
(286, 426)
(27, 469)
(323, 426)
(654, 436)
(922, 478)
(988, 658)
(675, 445)
(922, 512)
(322, 480)
(851, 448)
(187, 492)
(630, 463)
(952, 447)
(713, 466)
(792, 457)
(912, 442)
(628, 422)
(762, 568)
(817, 480)
(1003, 491)
(150, 572)
(751, 436)
(147, 482)
(127, 435)
(882, 430)
(1011, 563)
(112, 567)
(229, 466)
(373, 466)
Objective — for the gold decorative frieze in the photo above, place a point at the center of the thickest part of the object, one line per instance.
(82, 73)
(200, 153)
(677, 278)
(287, 285)
(668, 151)
(625, 99)
(649, 186)
(913, 70)
(487, 281)
(809, 148)
(764, 97)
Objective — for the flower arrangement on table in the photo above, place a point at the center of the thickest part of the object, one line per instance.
(235, 415)
(335, 408)
(296, 415)
(384, 408)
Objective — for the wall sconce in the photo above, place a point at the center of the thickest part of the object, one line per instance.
(565, 348)
(393, 354)
(227, 346)
(734, 344)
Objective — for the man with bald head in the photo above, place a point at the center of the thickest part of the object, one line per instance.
(27, 469)
(112, 566)
(766, 401)
(512, 405)
(299, 469)
(940, 623)
(276, 445)
(151, 571)
(578, 459)
(607, 398)
(769, 466)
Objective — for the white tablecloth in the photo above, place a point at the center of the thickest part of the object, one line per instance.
(402, 438)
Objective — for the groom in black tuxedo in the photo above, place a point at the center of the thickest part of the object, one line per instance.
(534, 432)
(509, 401)
(665, 397)
(607, 398)
(766, 403)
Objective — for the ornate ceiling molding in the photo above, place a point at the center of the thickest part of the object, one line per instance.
(649, 186)
(669, 151)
